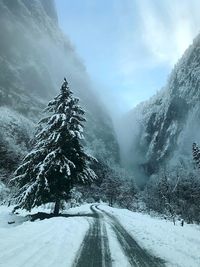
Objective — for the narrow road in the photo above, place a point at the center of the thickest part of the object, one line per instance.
(95, 251)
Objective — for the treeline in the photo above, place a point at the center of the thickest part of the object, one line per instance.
(57, 169)
(114, 185)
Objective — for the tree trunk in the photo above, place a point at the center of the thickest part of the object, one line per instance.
(56, 207)
(111, 201)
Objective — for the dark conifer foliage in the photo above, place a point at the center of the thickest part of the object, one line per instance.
(196, 155)
(57, 161)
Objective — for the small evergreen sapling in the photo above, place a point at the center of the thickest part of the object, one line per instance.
(57, 161)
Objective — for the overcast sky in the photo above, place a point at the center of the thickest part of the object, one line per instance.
(129, 46)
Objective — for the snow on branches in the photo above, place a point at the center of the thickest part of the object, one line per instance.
(57, 161)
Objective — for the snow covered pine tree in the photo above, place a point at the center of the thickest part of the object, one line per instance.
(57, 161)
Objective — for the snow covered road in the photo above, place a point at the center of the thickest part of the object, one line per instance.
(95, 236)
(136, 255)
(95, 251)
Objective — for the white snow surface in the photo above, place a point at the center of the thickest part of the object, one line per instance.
(50, 242)
(178, 246)
(56, 241)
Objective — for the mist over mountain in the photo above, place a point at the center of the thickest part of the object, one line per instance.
(34, 58)
(161, 131)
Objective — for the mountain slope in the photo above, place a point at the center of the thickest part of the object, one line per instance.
(34, 58)
(164, 128)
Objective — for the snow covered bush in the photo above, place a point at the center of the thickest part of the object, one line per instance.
(175, 192)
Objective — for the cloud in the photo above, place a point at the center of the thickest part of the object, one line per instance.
(167, 28)
(153, 35)
(130, 46)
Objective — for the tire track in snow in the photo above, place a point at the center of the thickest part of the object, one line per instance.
(94, 251)
(136, 255)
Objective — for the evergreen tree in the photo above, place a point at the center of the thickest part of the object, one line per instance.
(57, 161)
(196, 155)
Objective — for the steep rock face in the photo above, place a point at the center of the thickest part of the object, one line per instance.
(164, 128)
(34, 58)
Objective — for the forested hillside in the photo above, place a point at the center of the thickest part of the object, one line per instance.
(35, 56)
(164, 128)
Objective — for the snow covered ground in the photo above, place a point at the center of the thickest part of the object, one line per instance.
(56, 241)
(51, 242)
(178, 246)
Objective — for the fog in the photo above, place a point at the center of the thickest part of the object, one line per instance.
(35, 56)
(129, 50)
(38, 51)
